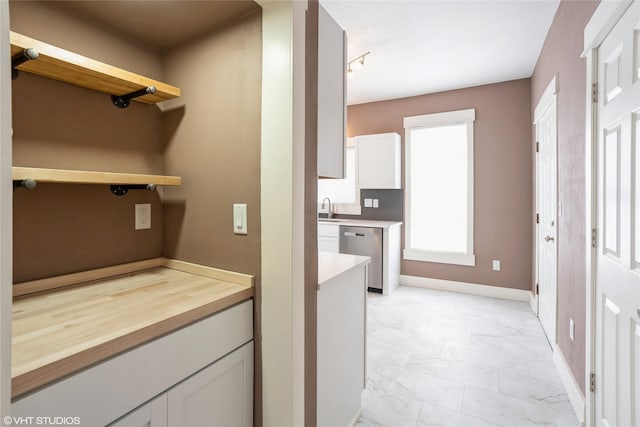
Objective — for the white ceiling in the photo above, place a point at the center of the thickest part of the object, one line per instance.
(420, 47)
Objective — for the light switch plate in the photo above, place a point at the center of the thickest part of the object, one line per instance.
(240, 218)
(143, 216)
(496, 265)
(368, 203)
(572, 329)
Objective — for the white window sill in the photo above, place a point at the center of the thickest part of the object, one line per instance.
(440, 257)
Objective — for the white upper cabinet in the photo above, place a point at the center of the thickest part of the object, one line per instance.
(379, 161)
(332, 92)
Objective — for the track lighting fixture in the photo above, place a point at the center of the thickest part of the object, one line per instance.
(356, 64)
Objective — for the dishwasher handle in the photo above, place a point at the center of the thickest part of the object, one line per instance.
(352, 234)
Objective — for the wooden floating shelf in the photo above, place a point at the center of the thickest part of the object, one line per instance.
(60, 64)
(90, 177)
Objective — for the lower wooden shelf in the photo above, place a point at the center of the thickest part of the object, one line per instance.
(90, 177)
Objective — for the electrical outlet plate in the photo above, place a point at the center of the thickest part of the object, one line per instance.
(143, 216)
(496, 265)
(375, 203)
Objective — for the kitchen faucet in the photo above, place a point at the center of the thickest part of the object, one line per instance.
(330, 214)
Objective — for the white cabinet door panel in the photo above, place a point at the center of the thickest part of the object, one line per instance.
(332, 105)
(328, 244)
(220, 395)
(379, 161)
(341, 347)
(151, 414)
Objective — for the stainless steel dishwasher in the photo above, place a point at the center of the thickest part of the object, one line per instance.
(365, 241)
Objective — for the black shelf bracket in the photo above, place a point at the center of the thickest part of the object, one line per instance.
(26, 55)
(29, 184)
(121, 190)
(122, 101)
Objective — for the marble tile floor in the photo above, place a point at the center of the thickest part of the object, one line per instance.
(439, 358)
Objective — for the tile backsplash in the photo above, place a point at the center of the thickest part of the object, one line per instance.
(390, 205)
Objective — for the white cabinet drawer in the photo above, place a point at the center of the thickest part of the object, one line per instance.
(106, 391)
(328, 230)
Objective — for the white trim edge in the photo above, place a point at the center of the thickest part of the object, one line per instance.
(570, 385)
(356, 418)
(439, 257)
(466, 288)
(439, 119)
(602, 21)
(547, 98)
(533, 302)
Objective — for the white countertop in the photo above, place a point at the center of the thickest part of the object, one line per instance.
(332, 264)
(359, 222)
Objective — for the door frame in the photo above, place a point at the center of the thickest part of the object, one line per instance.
(601, 23)
(548, 98)
(6, 212)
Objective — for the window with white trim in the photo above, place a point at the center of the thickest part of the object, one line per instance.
(343, 193)
(439, 187)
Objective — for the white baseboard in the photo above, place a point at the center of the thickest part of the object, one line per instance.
(570, 385)
(466, 288)
(533, 302)
(357, 417)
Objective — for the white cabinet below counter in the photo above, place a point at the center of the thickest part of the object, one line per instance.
(151, 414)
(221, 394)
(328, 238)
(379, 164)
(341, 337)
(177, 379)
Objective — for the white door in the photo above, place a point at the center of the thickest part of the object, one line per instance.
(546, 202)
(617, 289)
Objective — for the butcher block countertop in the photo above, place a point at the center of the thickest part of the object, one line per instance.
(63, 330)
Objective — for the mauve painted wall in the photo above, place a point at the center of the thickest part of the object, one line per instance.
(57, 24)
(212, 136)
(212, 139)
(560, 56)
(61, 229)
(502, 162)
